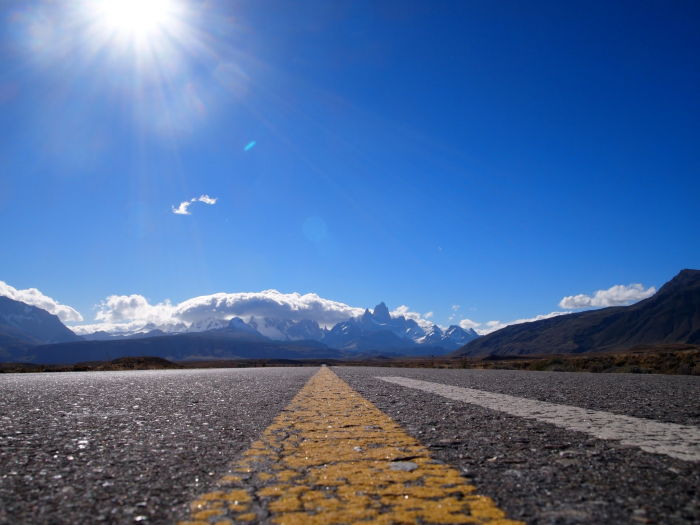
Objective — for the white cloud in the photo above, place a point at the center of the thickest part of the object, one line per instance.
(492, 326)
(421, 319)
(183, 207)
(133, 313)
(206, 199)
(468, 323)
(617, 295)
(130, 313)
(268, 303)
(124, 308)
(34, 297)
(455, 307)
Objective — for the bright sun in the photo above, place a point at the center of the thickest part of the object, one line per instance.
(138, 21)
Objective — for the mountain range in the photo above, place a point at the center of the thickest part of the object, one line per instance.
(672, 315)
(30, 334)
(378, 329)
(375, 330)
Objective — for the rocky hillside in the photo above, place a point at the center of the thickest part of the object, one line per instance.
(672, 315)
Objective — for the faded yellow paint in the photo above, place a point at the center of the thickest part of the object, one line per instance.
(333, 457)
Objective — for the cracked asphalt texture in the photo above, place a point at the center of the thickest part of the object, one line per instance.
(542, 474)
(138, 447)
(127, 447)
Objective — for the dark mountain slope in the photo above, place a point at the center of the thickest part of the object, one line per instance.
(201, 345)
(23, 323)
(672, 315)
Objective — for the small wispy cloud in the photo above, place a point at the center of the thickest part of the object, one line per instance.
(184, 206)
(455, 309)
(618, 295)
(182, 209)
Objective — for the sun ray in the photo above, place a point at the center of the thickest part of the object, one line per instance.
(135, 21)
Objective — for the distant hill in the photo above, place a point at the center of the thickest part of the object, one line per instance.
(215, 344)
(22, 324)
(672, 315)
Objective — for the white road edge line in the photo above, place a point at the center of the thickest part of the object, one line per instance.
(677, 441)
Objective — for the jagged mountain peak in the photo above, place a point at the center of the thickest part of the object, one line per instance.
(381, 313)
(377, 329)
(460, 336)
(239, 325)
(453, 328)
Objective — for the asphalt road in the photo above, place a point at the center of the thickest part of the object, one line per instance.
(127, 447)
(540, 473)
(138, 447)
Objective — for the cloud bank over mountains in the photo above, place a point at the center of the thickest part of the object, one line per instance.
(618, 295)
(34, 297)
(125, 314)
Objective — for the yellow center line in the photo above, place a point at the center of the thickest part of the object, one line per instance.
(333, 457)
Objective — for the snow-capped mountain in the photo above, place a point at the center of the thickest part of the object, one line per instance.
(287, 329)
(456, 336)
(453, 337)
(239, 325)
(212, 324)
(373, 330)
(137, 331)
(379, 330)
(204, 325)
(432, 336)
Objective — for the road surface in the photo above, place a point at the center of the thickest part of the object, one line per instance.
(376, 444)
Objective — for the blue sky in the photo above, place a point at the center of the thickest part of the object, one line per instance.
(493, 155)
